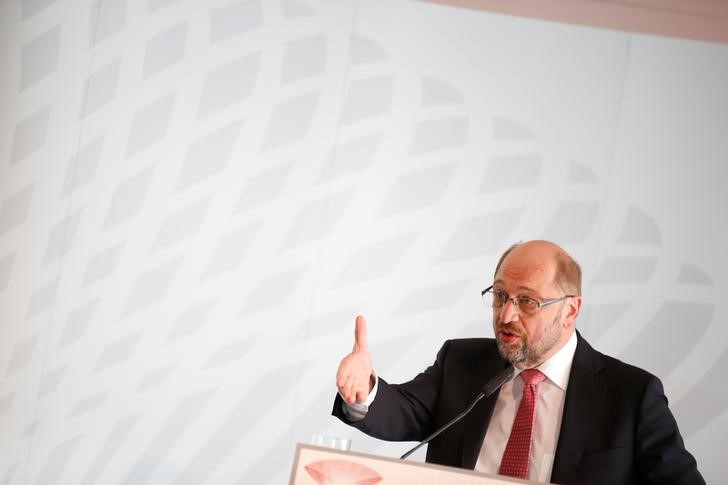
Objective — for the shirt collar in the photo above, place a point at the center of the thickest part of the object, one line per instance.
(558, 367)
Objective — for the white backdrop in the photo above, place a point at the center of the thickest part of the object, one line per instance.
(196, 199)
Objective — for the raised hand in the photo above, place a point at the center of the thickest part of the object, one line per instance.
(354, 378)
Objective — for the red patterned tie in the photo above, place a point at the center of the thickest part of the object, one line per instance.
(518, 449)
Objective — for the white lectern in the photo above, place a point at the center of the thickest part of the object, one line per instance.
(317, 466)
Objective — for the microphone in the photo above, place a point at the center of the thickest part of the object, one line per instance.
(489, 388)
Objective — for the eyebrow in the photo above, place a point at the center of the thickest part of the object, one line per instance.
(522, 288)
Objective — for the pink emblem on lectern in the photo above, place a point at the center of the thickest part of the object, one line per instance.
(342, 472)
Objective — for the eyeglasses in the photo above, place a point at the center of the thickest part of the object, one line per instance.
(497, 299)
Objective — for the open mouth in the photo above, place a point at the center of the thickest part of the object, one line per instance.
(507, 336)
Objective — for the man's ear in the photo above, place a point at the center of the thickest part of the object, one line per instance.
(573, 307)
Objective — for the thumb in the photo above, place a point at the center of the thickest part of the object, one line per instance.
(360, 335)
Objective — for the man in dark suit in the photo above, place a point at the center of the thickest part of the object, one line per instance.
(586, 418)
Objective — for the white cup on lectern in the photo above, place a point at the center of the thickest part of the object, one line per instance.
(334, 442)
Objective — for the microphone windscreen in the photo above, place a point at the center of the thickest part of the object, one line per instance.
(492, 385)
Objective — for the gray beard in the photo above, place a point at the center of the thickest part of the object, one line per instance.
(531, 355)
(521, 355)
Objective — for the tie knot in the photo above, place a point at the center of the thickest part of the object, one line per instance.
(532, 377)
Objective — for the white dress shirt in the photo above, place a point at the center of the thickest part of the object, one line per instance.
(549, 410)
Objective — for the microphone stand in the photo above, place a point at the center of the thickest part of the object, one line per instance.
(489, 388)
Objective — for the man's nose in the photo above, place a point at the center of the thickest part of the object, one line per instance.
(509, 311)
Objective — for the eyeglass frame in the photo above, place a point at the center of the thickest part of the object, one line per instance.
(514, 299)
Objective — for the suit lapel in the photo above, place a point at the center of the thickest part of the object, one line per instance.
(584, 398)
(476, 423)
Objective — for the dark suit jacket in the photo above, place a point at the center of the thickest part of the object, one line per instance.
(616, 427)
